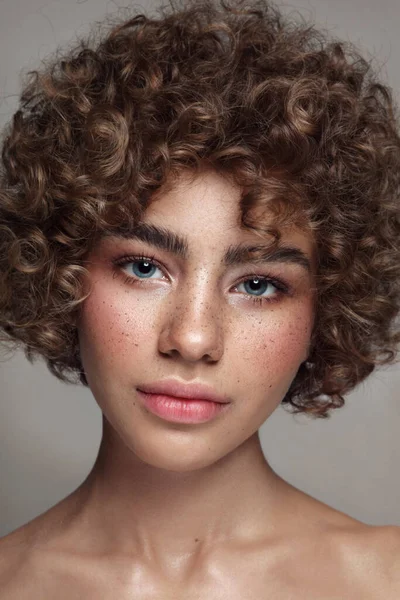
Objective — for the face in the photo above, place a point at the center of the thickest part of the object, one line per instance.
(241, 328)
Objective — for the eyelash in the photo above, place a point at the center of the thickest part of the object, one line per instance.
(282, 287)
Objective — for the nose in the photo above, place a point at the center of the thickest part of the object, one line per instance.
(192, 326)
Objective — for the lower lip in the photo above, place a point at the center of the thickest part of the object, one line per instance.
(179, 410)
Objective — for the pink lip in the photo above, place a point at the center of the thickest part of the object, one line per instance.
(190, 391)
(182, 403)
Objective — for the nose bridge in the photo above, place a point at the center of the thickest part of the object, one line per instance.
(193, 324)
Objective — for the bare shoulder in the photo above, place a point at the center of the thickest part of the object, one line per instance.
(14, 556)
(360, 560)
(382, 545)
(25, 557)
(28, 568)
(371, 557)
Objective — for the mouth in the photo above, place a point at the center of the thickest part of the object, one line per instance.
(181, 410)
(180, 389)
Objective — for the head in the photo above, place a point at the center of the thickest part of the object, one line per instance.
(225, 126)
(181, 298)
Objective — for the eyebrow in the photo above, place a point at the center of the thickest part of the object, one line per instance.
(167, 240)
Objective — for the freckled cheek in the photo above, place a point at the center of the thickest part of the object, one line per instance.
(115, 325)
(277, 347)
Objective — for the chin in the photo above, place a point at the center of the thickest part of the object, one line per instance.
(179, 453)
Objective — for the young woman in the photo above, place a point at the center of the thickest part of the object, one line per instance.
(199, 219)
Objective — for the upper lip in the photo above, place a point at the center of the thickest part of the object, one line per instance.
(194, 390)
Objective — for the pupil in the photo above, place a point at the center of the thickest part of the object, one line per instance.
(147, 267)
(256, 287)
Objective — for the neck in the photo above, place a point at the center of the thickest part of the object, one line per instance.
(138, 508)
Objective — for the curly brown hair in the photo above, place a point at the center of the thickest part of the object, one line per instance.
(297, 118)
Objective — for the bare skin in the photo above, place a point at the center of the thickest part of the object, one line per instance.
(178, 511)
(314, 552)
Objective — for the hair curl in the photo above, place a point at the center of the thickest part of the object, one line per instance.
(297, 118)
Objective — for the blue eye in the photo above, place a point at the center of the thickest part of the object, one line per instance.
(143, 268)
(259, 287)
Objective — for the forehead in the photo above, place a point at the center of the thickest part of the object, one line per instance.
(212, 205)
(214, 196)
(200, 196)
(202, 214)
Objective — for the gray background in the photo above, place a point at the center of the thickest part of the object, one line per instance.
(50, 431)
